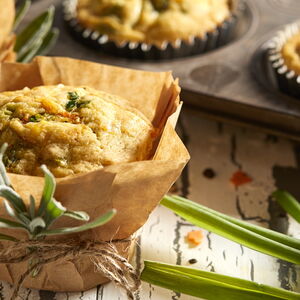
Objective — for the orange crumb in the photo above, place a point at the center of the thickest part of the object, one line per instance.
(239, 178)
(195, 237)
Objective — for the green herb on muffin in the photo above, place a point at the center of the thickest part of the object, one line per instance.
(75, 102)
(36, 118)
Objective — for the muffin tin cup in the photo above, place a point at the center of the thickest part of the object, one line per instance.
(142, 51)
(287, 80)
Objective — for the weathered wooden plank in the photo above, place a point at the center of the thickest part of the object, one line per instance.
(226, 149)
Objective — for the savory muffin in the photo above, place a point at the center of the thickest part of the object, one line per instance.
(283, 60)
(291, 53)
(70, 129)
(152, 21)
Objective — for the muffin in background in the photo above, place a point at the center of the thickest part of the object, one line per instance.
(291, 53)
(153, 29)
(284, 59)
(153, 21)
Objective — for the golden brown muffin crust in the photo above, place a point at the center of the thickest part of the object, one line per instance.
(70, 129)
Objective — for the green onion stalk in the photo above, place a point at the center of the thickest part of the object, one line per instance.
(211, 286)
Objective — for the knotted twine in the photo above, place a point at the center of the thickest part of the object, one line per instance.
(107, 261)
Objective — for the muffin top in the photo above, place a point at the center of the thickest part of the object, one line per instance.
(152, 21)
(70, 129)
(291, 53)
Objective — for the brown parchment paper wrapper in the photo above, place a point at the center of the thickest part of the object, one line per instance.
(134, 189)
(7, 38)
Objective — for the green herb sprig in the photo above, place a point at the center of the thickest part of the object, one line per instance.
(38, 37)
(21, 12)
(36, 118)
(75, 102)
(73, 98)
(37, 221)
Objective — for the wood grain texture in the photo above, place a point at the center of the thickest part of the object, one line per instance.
(224, 149)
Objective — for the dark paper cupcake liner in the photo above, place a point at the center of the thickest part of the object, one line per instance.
(288, 81)
(222, 35)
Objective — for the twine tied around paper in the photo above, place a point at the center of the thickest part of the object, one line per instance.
(108, 262)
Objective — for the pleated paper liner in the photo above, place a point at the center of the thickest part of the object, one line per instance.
(115, 186)
(222, 35)
(287, 80)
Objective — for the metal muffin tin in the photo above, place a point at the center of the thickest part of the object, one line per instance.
(227, 84)
(194, 46)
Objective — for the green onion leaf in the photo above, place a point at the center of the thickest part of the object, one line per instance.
(21, 12)
(288, 203)
(270, 234)
(96, 223)
(34, 33)
(198, 216)
(209, 285)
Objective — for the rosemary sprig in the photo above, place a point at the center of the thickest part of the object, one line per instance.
(38, 37)
(48, 42)
(254, 237)
(21, 12)
(37, 221)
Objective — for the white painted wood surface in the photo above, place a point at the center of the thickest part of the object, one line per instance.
(225, 149)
